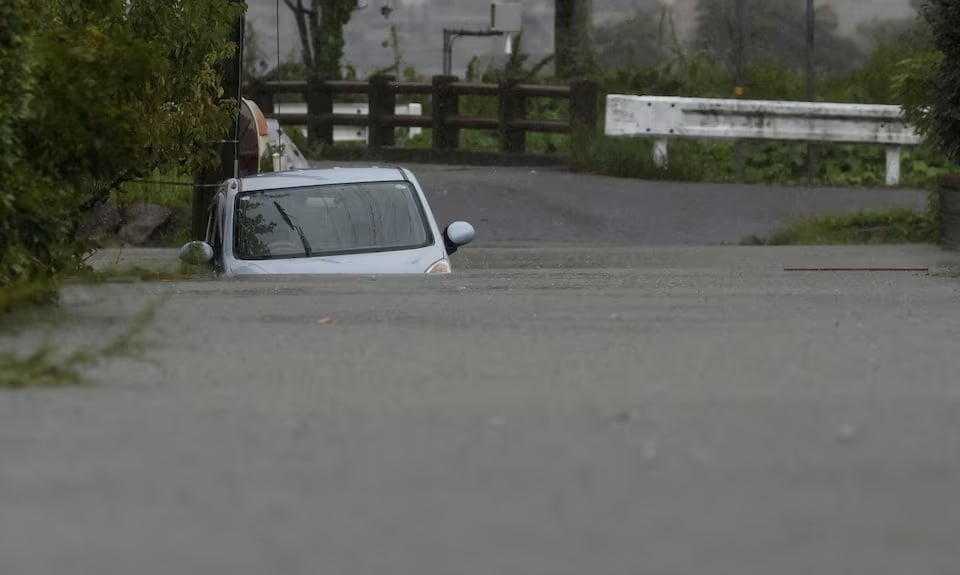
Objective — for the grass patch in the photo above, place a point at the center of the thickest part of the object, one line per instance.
(141, 274)
(27, 294)
(781, 163)
(894, 226)
(46, 367)
(633, 158)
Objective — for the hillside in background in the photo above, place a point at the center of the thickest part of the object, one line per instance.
(420, 23)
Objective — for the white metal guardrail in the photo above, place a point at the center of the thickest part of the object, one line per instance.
(664, 118)
(351, 133)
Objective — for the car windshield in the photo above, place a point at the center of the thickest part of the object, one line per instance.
(328, 220)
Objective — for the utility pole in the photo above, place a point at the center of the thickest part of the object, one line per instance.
(739, 89)
(205, 184)
(505, 18)
(448, 38)
(811, 85)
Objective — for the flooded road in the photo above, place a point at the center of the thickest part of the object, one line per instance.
(554, 410)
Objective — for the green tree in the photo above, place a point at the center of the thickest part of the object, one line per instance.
(894, 45)
(643, 40)
(96, 94)
(27, 219)
(573, 31)
(320, 26)
(773, 30)
(124, 90)
(942, 87)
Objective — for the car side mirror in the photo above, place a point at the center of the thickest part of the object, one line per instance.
(457, 235)
(196, 253)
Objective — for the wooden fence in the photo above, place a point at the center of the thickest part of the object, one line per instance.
(445, 121)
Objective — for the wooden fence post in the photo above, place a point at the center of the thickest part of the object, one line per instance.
(382, 104)
(319, 107)
(584, 105)
(949, 192)
(512, 106)
(445, 104)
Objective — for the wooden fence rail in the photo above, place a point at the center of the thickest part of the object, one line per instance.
(445, 121)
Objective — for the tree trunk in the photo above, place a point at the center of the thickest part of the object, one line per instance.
(326, 31)
(320, 26)
(573, 37)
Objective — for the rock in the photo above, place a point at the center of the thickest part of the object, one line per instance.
(102, 221)
(173, 233)
(141, 221)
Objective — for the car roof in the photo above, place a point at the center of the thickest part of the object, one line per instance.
(311, 177)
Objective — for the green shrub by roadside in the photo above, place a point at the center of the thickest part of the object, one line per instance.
(92, 97)
(764, 163)
(894, 226)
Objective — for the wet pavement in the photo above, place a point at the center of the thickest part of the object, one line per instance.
(549, 409)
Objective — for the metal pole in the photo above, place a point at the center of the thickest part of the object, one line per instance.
(447, 52)
(739, 89)
(811, 84)
(450, 35)
(205, 184)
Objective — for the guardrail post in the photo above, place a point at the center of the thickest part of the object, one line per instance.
(445, 104)
(382, 103)
(661, 154)
(512, 106)
(893, 165)
(319, 107)
(583, 117)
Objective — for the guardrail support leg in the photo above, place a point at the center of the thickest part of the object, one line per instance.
(893, 165)
(660, 154)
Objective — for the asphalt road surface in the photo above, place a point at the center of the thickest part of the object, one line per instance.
(545, 411)
(553, 205)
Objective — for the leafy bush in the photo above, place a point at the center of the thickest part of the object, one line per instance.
(943, 87)
(633, 158)
(92, 96)
(896, 226)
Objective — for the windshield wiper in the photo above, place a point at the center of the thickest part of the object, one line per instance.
(295, 227)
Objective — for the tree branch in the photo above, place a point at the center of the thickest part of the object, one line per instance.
(297, 9)
(301, 15)
(103, 194)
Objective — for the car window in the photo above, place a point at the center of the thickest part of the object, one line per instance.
(330, 219)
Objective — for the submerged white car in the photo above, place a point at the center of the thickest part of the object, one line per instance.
(326, 221)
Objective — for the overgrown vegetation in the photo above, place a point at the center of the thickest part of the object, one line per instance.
(936, 77)
(95, 99)
(894, 226)
(47, 366)
(94, 96)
